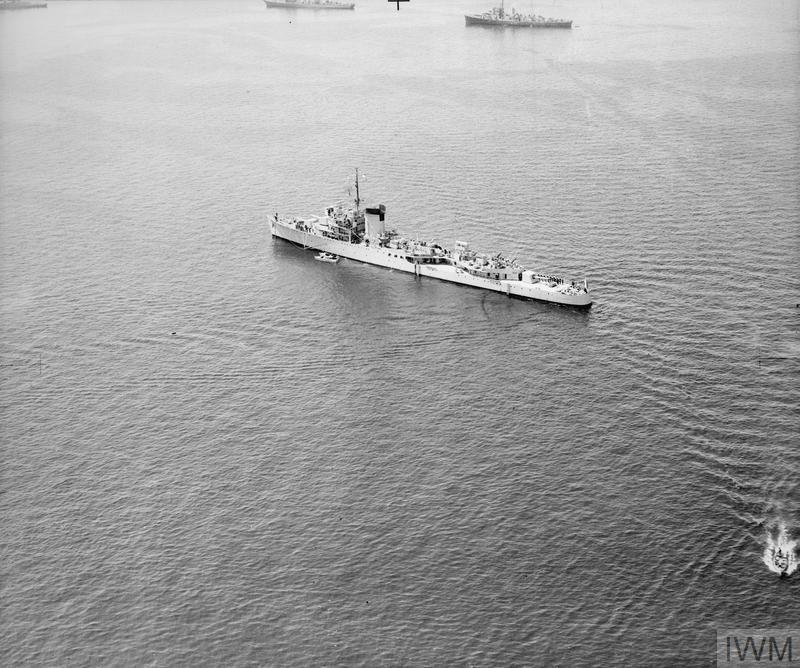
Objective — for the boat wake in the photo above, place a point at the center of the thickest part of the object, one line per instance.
(780, 552)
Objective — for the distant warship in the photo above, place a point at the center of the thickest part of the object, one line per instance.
(22, 4)
(309, 4)
(498, 16)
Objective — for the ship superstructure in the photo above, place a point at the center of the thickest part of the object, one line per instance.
(360, 235)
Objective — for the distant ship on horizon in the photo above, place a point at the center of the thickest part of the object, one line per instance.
(498, 16)
(22, 4)
(309, 4)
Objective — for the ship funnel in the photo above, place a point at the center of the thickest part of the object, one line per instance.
(375, 217)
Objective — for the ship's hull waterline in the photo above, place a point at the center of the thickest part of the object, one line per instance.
(389, 258)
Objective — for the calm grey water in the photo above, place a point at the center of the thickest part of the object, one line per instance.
(217, 451)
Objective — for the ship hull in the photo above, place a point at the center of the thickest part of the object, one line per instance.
(386, 257)
(508, 23)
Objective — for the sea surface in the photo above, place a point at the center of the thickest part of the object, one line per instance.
(219, 452)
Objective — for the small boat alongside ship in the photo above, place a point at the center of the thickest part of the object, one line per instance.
(309, 4)
(356, 234)
(498, 16)
(327, 257)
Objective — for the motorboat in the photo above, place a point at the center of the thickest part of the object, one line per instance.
(781, 561)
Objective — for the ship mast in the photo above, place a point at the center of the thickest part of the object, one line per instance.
(358, 198)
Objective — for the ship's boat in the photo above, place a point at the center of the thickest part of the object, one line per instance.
(326, 257)
(309, 4)
(781, 561)
(780, 552)
(361, 234)
(498, 16)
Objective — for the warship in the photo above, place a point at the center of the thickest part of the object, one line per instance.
(22, 4)
(348, 232)
(498, 16)
(309, 4)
